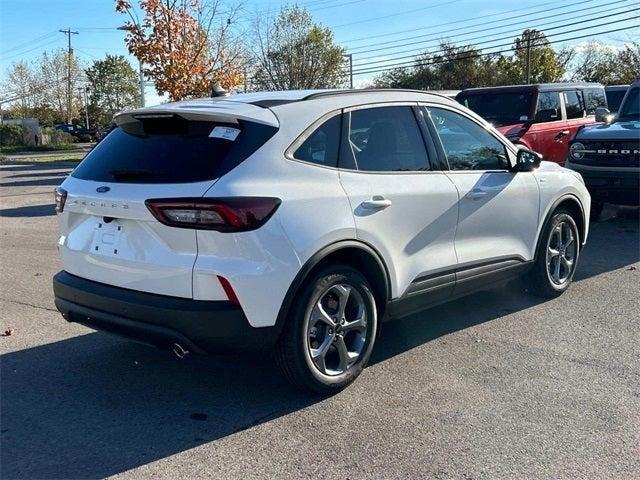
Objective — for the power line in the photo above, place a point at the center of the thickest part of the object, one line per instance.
(30, 42)
(19, 54)
(478, 55)
(544, 28)
(395, 14)
(438, 35)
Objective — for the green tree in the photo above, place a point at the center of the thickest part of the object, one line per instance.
(450, 67)
(113, 86)
(628, 64)
(293, 52)
(545, 65)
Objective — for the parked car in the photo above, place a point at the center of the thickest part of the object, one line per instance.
(83, 134)
(615, 94)
(608, 155)
(298, 221)
(542, 117)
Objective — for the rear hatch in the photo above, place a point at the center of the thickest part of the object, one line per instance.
(109, 235)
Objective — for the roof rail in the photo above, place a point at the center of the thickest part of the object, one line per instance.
(348, 91)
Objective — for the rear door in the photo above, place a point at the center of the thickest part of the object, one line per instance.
(403, 205)
(107, 232)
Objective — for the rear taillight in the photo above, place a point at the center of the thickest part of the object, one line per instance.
(234, 214)
(60, 196)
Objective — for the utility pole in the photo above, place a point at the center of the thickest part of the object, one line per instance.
(83, 94)
(131, 28)
(528, 56)
(350, 57)
(68, 33)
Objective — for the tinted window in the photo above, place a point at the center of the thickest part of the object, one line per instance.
(630, 109)
(614, 98)
(468, 146)
(166, 156)
(548, 109)
(594, 98)
(321, 146)
(500, 108)
(387, 139)
(573, 104)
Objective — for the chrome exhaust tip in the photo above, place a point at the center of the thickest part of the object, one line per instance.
(179, 351)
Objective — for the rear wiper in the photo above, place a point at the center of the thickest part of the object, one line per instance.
(132, 174)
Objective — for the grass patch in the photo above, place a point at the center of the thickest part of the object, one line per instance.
(63, 157)
(39, 148)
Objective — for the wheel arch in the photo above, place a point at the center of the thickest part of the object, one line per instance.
(571, 203)
(358, 254)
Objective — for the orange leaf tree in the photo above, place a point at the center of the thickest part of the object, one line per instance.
(183, 45)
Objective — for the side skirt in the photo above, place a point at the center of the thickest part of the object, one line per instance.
(430, 290)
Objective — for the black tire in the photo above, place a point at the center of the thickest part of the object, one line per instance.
(596, 211)
(540, 278)
(292, 352)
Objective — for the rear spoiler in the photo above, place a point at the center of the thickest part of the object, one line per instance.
(212, 110)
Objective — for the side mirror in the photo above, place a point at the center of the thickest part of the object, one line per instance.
(527, 161)
(603, 115)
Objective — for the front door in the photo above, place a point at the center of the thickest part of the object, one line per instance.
(549, 134)
(402, 207)
(498, 209)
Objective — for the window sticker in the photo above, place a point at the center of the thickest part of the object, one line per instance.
(227, 133)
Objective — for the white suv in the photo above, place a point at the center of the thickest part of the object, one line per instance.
(298, 221)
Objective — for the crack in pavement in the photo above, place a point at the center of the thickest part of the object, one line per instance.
(28, 304)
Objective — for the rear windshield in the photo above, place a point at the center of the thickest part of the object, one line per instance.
(171, 152)
(500, 109)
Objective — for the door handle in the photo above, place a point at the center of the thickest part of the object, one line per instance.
(562, 133)
(377, 202)
(476, 194)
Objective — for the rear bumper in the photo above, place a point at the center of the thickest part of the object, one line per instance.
(616, 185)
(159, 320)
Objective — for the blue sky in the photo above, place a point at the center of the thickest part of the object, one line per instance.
(28, 27)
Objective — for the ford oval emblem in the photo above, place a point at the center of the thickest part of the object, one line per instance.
(102, 189)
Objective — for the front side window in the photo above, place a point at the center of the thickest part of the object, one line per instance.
(548, 108)
(321, 147)
(500, 109)
(594, 98)
(573, 104)
(467, 145)
(386, 139)
(630, 109)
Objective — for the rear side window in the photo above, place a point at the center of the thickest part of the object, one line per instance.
(594, 98)
(386, 139)
(171, 152)
(321, 147)
(548, 109)
(573, 104)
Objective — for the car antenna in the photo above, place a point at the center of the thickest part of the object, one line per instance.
(218, 91)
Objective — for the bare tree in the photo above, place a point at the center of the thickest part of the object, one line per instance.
(293, 52)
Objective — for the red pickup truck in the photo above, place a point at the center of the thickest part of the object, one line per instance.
(543, 117)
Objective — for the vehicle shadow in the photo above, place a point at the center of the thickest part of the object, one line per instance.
(30, 211)
(613, 243)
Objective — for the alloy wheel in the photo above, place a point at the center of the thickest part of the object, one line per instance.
(561, 253)
(336, 329)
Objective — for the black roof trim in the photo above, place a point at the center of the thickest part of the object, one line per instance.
(273, 102)
(541, 87)
(369, 90)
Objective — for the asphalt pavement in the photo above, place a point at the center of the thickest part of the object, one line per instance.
(497, 385)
